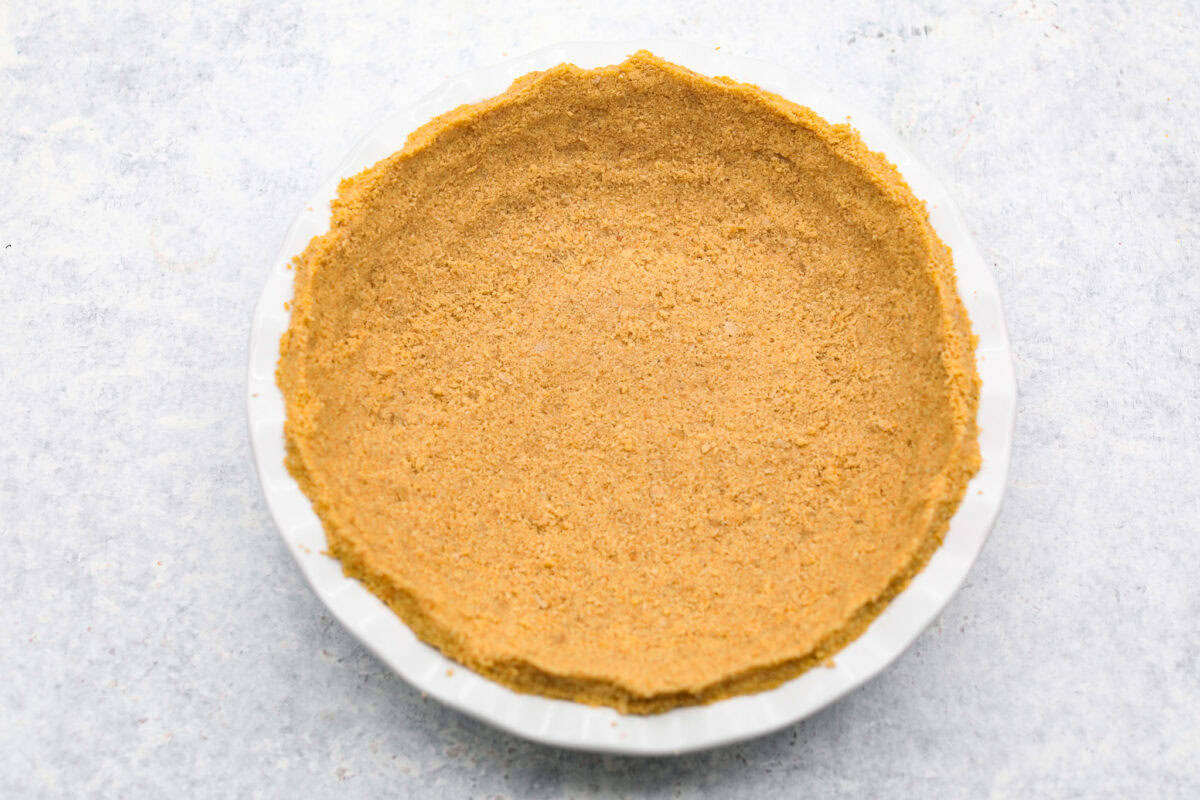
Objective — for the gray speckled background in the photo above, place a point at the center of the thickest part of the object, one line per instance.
(155, 635)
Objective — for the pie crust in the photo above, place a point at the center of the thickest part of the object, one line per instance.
(631, 386)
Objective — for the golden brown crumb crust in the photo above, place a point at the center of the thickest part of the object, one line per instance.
(631, 386)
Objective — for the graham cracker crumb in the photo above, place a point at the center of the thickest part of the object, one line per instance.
(631, 386)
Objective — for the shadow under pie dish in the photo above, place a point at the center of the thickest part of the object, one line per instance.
(631, 386)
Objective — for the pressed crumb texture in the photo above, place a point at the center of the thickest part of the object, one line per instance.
(631, 386)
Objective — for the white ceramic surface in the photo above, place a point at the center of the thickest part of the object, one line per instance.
(570, 724)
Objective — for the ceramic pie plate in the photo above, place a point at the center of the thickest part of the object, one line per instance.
(574, 725)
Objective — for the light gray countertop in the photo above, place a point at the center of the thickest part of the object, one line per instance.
(156, 637)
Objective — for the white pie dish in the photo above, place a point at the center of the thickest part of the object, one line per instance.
(574, 725)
